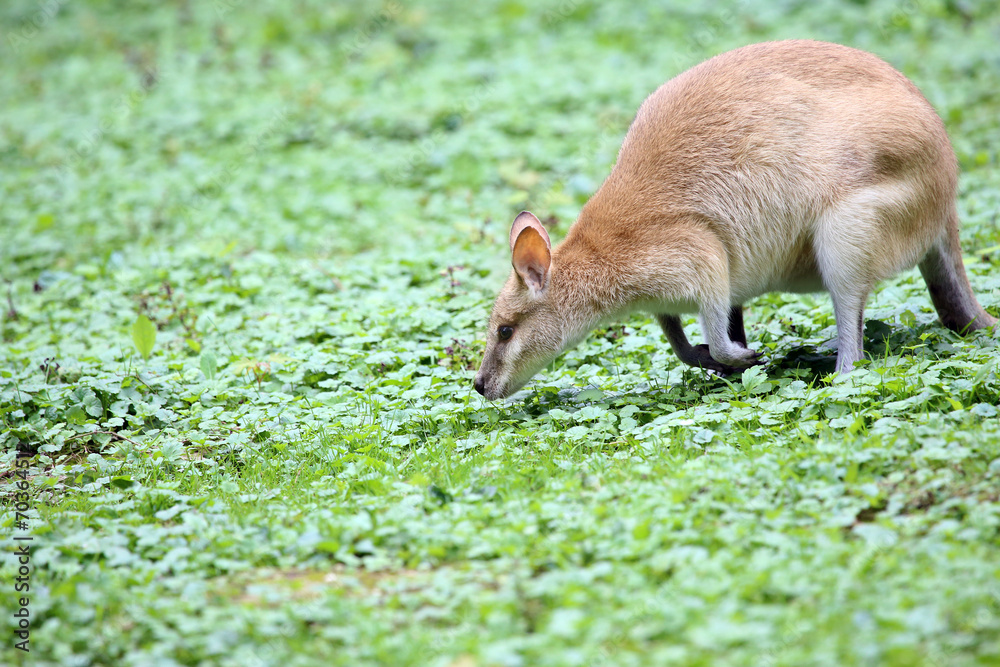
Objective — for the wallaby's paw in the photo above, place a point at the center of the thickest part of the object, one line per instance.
(738, 357)
(745, 357)
(702, 358)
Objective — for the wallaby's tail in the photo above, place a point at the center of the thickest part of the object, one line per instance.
(951, 293)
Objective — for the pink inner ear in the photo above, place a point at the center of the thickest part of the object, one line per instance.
(523, 221)
(531, 258)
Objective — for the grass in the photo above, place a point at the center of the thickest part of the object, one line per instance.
(309, 204)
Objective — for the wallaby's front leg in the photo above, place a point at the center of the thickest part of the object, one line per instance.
(722, 327)
(699, 355)
(704, 279)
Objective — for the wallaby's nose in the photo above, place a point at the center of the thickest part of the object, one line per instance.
(479, 385)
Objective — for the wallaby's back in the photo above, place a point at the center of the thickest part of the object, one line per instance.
(762, 143)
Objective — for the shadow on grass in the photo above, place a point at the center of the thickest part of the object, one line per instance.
(809, 363)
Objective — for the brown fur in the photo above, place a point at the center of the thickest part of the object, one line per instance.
(794, 166)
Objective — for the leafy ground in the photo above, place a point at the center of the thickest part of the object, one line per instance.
(309, 202)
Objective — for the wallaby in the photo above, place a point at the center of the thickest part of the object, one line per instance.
(794, 166)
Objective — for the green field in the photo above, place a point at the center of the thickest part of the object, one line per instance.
(247, 254)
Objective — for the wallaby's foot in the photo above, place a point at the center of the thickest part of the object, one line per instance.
(702, 356)
(735, 355)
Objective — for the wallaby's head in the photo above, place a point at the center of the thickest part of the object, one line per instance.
(526, 329)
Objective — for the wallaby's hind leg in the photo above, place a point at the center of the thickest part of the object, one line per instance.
(699, 355)
(951, 293)
(848, 272)
(849, 312)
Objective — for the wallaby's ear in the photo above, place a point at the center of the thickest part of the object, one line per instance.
(531, 252)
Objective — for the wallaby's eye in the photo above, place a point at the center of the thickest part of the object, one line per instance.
(505, 332)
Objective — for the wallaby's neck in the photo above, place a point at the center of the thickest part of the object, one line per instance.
(594, 277)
